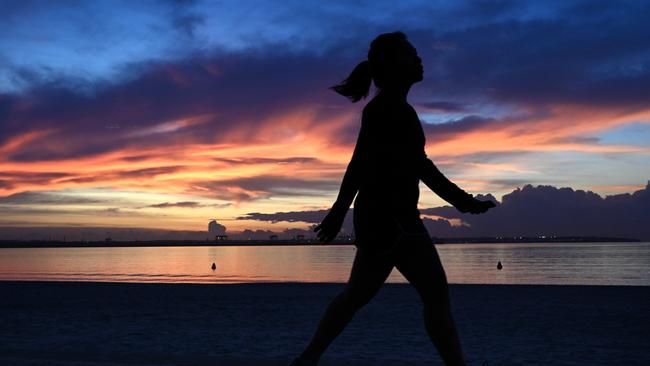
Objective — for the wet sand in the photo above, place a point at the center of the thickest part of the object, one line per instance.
(74, 323)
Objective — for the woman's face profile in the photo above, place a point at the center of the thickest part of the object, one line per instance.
(410, 64)
(414, 64)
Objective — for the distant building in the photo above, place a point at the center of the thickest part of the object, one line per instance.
(300, 237)
(221, 237)
(273, 237)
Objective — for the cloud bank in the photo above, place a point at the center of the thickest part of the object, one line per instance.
(529, 211)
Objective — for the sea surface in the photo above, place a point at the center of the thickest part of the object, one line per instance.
(546, 263)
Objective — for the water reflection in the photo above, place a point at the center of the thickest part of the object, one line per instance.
(570, 263)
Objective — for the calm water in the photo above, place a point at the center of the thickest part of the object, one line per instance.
(552, 263)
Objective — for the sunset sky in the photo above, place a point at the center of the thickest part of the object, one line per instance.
(164, 115)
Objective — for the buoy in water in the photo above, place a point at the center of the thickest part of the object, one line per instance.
(214, 266)
(499, 266)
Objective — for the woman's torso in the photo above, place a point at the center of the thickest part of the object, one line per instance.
(388, 194)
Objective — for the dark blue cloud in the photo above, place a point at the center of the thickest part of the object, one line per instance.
(240, 90)
(546, 210)
(528, 211)
(508, 50)
(594, 53)
(518, 52)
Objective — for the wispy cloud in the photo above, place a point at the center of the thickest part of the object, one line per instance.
(186, 204)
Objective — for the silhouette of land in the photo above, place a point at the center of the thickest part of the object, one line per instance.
(284, 242)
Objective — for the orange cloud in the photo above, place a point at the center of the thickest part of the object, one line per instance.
(301, 146)
(544, 134)
(16, 142)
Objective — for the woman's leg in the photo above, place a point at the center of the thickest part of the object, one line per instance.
(420, 264)
(369, 271)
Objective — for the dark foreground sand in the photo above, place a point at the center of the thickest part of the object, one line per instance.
(58, 323)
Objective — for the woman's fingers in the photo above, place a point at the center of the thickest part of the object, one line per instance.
(327, 230)
(320, 232)
(481, 207)
(326, 234)
(324, 238)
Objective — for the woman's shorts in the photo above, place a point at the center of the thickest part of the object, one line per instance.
(385, 233)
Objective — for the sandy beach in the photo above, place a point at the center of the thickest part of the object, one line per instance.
(72, 323)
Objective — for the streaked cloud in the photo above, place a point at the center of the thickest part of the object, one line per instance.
(186, 204)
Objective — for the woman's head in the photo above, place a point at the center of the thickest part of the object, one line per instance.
(392, 62)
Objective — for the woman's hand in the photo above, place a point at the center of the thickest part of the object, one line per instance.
(331, 225)
(475, 206)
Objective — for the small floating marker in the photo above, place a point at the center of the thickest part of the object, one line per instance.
(214, 266)
(499, 266)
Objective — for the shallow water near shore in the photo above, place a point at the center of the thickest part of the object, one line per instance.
(544, 263)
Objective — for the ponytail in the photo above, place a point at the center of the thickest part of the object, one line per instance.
(357, 85)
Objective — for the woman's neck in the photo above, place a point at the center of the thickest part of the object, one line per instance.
(397, 91)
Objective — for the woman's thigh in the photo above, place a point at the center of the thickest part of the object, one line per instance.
(369, 271)
(418, 261)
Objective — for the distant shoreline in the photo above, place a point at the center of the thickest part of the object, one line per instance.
(307, 242)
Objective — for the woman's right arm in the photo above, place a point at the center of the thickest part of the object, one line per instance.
(352, 177)
(331, 224)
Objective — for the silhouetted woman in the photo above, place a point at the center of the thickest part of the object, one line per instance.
(387, 164)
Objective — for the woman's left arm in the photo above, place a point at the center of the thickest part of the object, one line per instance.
(448, 191)
(442, 186)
